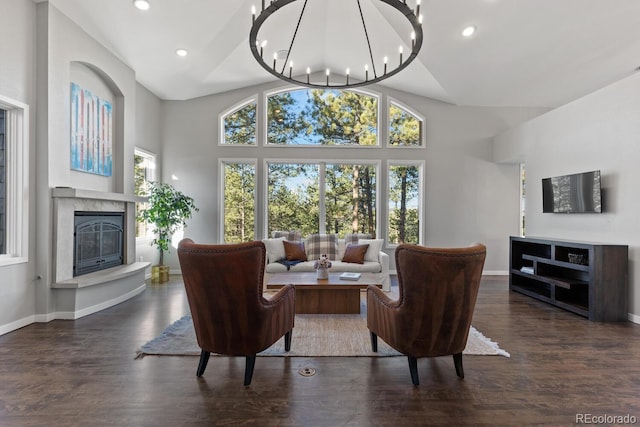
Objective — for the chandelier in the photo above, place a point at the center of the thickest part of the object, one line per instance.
(281, 63)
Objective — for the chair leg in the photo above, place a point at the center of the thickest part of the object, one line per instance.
(457, 361)
(248, 369)
(204, 358)
(374, 342)
(287, 341)
(413, 368)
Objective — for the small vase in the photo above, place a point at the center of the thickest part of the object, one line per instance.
(322, 273)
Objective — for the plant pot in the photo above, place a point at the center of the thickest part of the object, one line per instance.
(322, 273)
(159, 273)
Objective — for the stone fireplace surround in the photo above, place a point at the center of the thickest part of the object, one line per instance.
(79, 296)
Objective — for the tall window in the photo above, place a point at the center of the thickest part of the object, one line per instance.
(405, 128)
(322, 197)
(404, 203)
(3, 184)
(293, 195)
(239, 201)
(144, 164)
(350, 199)
(14, 181)
(322, 117)
(239, 125)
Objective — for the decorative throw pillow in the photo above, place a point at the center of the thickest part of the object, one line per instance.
(355, 253)
(292, 236)
(318, 244)
(294, 251)
(354, 237)
(275, 249)
(375, 246)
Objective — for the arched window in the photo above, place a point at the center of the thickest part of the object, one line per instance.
(322, 118)
(405, 127)
(239, 125)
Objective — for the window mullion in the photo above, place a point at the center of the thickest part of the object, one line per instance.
(321, 198)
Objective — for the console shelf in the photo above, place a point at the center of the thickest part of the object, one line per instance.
(588, 279)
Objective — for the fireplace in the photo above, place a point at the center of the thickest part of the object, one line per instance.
(98, 241)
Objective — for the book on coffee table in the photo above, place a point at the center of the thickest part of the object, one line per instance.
(350, 276)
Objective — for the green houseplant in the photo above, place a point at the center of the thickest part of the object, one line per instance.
(168, 209)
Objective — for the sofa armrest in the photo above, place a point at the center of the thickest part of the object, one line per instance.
(384, 270)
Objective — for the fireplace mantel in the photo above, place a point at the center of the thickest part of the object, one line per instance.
(78, 193)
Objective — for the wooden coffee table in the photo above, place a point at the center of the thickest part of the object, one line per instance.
(324, 296)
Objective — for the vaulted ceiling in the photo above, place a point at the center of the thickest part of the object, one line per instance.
(525, 53)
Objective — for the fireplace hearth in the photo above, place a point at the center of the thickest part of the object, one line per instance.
(98, 241)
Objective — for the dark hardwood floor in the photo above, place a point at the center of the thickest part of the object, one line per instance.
(83, 373)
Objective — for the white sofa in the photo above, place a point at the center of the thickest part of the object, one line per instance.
(376, 261)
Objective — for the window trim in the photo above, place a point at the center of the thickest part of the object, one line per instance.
(17, 181)
(423, 125)
(265, 122)
(253, 99)
(148, 155)
(221, 176)
(322, 162)
(420, 164)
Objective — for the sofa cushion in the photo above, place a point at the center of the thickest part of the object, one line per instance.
(294, 251)
(375, 246)
(355, 254)
(319, 244)
(353, 238)
(275, 249)
(292, 236)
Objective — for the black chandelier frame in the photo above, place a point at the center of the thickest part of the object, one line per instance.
(273, 6)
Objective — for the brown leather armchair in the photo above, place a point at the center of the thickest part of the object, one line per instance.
(230, 315)
(437, 295)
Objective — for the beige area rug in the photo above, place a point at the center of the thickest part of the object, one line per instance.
(313, 335)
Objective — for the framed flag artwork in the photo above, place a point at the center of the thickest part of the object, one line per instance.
(91, 132)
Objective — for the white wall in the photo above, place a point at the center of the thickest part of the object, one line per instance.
(149, 138)
(599, 131)
(468, 197)
(17, 81)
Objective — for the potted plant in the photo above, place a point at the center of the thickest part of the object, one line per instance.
(168, 209)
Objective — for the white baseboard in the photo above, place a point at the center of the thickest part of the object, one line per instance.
(634, 318)
(21, 323)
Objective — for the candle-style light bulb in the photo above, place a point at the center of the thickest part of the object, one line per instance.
(417, 7)
(275, 56)
(420, 19)
(253, 14)
(290, 68)
(262, 45)
(308, 72)
(366, 72)
(385, 60)
(413, 39)
(328, 72)
(347, 75)
(400, 50)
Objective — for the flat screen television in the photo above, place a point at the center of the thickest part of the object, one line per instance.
(577, 193)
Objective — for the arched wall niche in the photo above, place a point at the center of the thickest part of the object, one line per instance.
(88, 76)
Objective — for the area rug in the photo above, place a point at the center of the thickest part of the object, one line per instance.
(313, 335)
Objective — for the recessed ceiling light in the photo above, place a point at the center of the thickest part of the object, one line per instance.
(468, 31)
(182, 52)
(142, 4)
